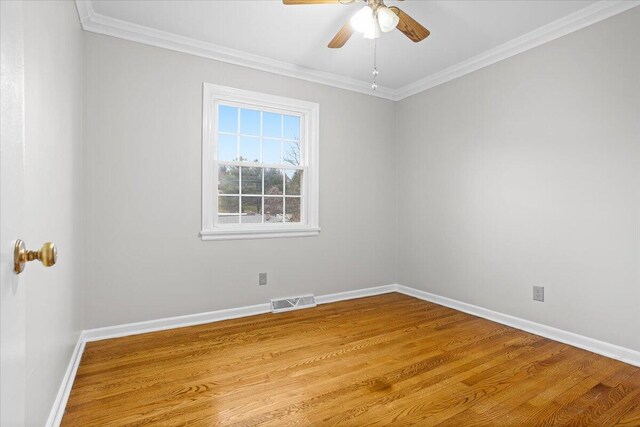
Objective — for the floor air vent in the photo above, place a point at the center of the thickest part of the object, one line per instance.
(294, 303)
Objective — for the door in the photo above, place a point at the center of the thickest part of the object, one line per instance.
(12, 286)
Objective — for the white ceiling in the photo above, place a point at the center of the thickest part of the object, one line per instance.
(298, 35)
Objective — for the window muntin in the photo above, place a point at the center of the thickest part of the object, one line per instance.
(262, 154)
(261, 183)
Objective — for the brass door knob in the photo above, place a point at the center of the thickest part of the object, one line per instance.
(47, 255)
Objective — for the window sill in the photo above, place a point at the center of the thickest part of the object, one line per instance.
(259, 233)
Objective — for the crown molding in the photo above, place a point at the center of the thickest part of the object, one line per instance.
(101, 24)
(580, 19)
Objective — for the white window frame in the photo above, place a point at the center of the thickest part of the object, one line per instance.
(309, 112)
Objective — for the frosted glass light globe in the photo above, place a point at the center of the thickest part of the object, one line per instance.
(387, 19)
(362, 21)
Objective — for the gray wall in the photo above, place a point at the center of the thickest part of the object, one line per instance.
(528, 172)
(142, 128)
(53, 167)
(522, 173)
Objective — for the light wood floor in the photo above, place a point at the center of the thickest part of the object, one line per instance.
(388, 359)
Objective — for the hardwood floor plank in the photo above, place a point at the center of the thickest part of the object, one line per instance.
(439, 402)
(501, 408)
(387, 359)
(290, 368)
(627, 410)
(444, 377)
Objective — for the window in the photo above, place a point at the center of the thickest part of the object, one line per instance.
(260, 165)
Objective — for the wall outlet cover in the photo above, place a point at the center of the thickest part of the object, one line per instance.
(262, 279)
(538, 293)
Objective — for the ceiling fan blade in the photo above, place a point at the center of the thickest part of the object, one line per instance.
(291, 2)
(409, 26)
(341, 36)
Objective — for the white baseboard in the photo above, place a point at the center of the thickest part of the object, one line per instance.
(60, 403)
(57, 411)
(172, 322)
(600, 347)
(360, 293)
(215, 316)
(613, 351)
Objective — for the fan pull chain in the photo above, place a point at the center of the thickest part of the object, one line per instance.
(374, 85)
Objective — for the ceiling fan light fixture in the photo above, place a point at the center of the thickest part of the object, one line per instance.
(363, 20)
(387, 19)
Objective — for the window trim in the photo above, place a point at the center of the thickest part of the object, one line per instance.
(310, 116)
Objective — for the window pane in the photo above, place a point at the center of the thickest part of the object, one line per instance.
(228, 180)
(272, 125)
(250, 122)
(273, 209)
(292, 153)
(273, 182)
(227, 147)
(249, 149)
(292, 128)
(292, 180)
(251, 210)
(227, 119)
(292, 209)
(251, 180)
(228, 209)
(271, 151)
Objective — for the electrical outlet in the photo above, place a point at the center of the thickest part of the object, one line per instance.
(538, 293)
(262, 279)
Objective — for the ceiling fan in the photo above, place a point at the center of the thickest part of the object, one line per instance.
(371, 20)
